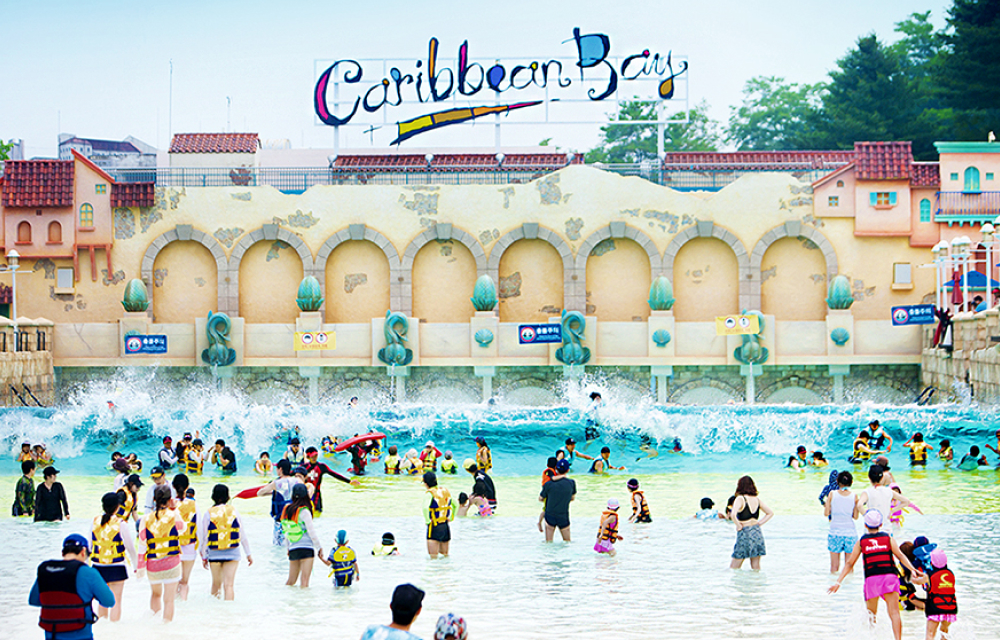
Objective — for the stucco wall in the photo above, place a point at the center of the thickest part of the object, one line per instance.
(357, 282)
(882, 221)
(185, 283)
(269, 279)
(705, 281)
(444, 274)
(618, 280)
(84, 183)
(531, 282)
(793, 281)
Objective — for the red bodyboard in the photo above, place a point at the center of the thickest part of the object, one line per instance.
(365, 437)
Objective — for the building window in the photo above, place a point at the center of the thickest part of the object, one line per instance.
(840, 183)
(24, 233)
(86, 215)
(882, 199)
(902, 274)
(64, 280)
(971, 179)
(954, 177)
(55, 233)
(101, 188)
(833, 201)
(925, 210)
(989, 175)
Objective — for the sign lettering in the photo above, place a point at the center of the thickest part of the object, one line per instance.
(913, 314)
(135, 345)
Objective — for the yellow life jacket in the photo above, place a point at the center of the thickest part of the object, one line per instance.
(189, 512)
(642, 511)
(946, 453)
(162, 539)
(440, 507)
(919, 454)
(384, 550)
(609, 531)
(392, 464)
(484, 459)
(448, 466)
(125, 510)
(430, 461)
(24, 457)
(223, 528)
(858, 453)
(107, 546)
(193, 462)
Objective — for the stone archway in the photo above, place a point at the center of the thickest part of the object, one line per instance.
(361, 232)
(271, 232)
(708, 229)
(790, 229)
(182, 233)
(574, 289)
(616, 230)
(440, 231)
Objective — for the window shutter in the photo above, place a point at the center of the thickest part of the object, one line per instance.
(892, 198)
(873, 198)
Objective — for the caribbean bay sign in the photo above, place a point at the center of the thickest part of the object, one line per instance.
(409, 97)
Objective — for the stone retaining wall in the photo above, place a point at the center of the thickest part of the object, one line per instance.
(972, 369)
(28, 373)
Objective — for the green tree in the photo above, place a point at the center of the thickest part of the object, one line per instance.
(775, 114)
(968, 75)
(5, 150)
(638, 142)
(869, 97)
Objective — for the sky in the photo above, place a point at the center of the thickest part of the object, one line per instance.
(102, 69)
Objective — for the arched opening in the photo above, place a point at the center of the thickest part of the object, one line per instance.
(270, 274)
(444, 275)
(86, 215)
(55, 233)
(793, 280)
(357, 282)
(24, 232)
(925, 210)
(706, 281)
(531, 282)
(618, 279)
(185, 283)
(971, 179)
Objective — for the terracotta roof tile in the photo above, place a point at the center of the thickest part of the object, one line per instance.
(38, 183)
(757, 160)
(454, 161)
(925, 174)
(135, 194)
(883, 160)
(215, 143)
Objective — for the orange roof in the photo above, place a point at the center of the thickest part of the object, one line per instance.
(883, 160)
(454, 161)
(756, 160)
(215, 143)
(38, 183)
(925, 174)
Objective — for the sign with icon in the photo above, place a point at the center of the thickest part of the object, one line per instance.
(135, 345)
(738, 325)
(913, 314)
(315, 340)
(539, 333)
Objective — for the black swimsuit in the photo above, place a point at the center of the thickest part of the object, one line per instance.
(745, 514)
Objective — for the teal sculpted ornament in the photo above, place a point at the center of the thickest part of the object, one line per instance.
(395, 353)
(136, 297)
(661, 294)
(751, 351)
(310, 297)
(218, 353)
(484, 337)
(840, 296)
(840, 336)
(484, 296)
(572, 352)
(661, 337)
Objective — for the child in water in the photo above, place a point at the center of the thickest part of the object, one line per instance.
(918, 450)
(941, 607)
(448, 465)
(972, 460)
(344, 562)
(387, 547)
(707, 511)
(263, 465)
(640, 508)
(607, 534)
(946, 454)
(818, 460)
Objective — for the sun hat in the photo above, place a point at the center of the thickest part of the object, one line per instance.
(873, 518)
(613, 503)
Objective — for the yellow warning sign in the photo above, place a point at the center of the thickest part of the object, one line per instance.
(315, 340)
(737, 325)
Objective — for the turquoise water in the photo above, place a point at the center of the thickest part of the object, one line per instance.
(669, 579)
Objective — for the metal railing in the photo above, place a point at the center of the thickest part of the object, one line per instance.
(968, 205)
(298, 180)
(22, 341)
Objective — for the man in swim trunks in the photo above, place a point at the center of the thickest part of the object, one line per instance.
(569, 452)
(315, 471)
(556, 495)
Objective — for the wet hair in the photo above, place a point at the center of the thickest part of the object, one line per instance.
(918, 437)
(220, 494)
(161, 496)
(264, 454)
(284, 466)
(974, 451)
(220, 442)
(109, 502)
(864, 434)
(632, 484)
(706, 503)
(818, 455)
(430, 479)
(300, 499)
(189, 493)
(746, 487)
(181, 483)
(27, 466)
(551, 462)
(606, 450)
(875, 473)
(946, 443)
(116, 455)
(595, 396)
(845, 479)
(393, 450)
(463, 497)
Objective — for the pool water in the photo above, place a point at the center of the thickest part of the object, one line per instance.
(668, 579)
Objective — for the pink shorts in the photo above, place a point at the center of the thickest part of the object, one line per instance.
(943, 617)
(878, 586)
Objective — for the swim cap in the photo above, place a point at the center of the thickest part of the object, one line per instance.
(562, 466)
(388, 538)
(613, 503)
(939, 559)
(873, 518)
(632, 484)
(342, 537)
(468, 464)
(920, 541)
(450, 625)
(447, 454)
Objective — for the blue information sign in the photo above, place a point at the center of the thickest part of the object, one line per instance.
(539, 333)
(913, 314)
(145, 344)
